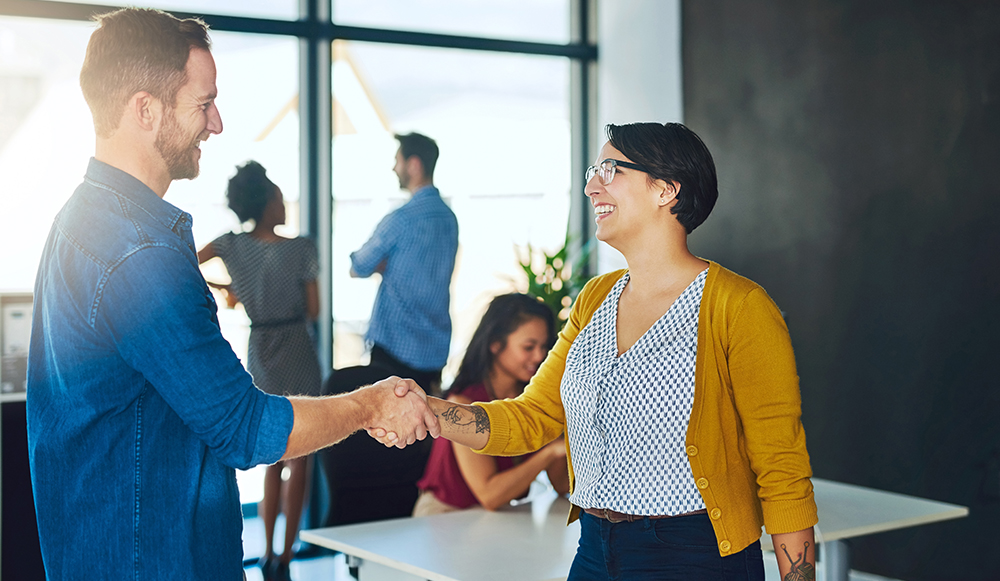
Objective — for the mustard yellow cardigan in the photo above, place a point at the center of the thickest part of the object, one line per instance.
(745, 440)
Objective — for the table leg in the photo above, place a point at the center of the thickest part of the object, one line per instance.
(353, 565)
(836, 561)
(372, 571)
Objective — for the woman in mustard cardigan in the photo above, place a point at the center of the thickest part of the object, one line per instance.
(675, 384)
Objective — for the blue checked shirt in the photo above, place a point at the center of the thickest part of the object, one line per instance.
(417, 242)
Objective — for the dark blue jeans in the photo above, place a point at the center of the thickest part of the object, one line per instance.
(682, 548)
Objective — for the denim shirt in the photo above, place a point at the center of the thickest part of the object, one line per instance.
(418, 242)
(138, 409)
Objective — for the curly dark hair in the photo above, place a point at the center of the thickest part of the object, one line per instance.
(674, 153)
(249, 191)
(505, 315)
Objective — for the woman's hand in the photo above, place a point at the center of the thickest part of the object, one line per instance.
(557, 468)
(227, 292)
(555, 450)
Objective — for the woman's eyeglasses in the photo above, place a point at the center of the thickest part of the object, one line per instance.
(607, 169)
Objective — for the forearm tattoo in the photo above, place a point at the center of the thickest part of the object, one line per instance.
(802, 569)
(460, 416)
(482, 420)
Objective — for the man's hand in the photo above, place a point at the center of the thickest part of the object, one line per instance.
(468, 425)
(399, 409)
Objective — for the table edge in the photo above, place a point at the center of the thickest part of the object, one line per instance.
(312, 536)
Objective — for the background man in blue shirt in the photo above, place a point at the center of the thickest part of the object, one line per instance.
(414, 249)
(138, 409)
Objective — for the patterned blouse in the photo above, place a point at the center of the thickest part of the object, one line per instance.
(269, 278)
(628, 415)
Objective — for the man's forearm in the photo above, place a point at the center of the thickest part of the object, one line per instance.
(323, 421)
(463, 424)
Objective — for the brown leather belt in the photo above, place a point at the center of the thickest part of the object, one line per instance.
(614, 516)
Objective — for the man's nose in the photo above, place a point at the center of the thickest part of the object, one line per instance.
(214, 120)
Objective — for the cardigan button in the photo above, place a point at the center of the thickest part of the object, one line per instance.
(692, 451)
(724, 546)
(702, 483)
(716, 514)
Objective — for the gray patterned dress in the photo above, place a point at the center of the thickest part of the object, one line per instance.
(269, 278)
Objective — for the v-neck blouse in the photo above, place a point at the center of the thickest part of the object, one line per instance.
(628, 414)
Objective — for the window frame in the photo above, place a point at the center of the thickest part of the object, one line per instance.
(316, 32)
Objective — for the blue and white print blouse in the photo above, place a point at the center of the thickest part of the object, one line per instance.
(627, 416)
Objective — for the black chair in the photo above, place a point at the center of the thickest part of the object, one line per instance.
(368, 481)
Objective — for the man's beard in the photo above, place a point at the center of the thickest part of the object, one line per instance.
(177, 153)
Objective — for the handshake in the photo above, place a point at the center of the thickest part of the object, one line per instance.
(398, 413)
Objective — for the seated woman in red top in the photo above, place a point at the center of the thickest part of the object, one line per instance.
(513, 338)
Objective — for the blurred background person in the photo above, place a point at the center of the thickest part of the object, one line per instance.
(275, 279)
(510, 343)
(413, 248)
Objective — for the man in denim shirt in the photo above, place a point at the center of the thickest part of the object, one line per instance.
(138, 409)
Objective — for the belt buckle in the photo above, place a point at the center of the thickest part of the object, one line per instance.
(608, 516)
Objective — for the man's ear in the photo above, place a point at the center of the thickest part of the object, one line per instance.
(668, 192)
(144, 110)
(415, 167)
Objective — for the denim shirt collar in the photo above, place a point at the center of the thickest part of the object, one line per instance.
(125, 185)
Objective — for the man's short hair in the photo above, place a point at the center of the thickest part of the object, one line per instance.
(132, 50)
(415, 144)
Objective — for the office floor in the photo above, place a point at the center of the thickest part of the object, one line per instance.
(334, 567)
(322, 568)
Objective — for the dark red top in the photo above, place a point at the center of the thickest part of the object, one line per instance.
(442, 476)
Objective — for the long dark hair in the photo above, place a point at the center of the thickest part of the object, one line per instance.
(505, 315)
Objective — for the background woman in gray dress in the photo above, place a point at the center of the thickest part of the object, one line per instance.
(275, 279)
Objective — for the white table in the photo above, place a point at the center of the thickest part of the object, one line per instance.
(531, 542)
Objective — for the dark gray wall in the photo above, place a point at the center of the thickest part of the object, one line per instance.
(857, 147)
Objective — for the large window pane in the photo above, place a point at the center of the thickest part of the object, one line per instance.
(534, 20)
(46, 136)
(258, 88)
(258, 99)
(279, 9)
(502, 124)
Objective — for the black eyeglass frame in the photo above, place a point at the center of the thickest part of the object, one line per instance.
(596, 169)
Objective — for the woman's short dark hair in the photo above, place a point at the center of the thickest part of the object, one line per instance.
(426, 150)
(505, 315)
(673, 153)
(249, 191)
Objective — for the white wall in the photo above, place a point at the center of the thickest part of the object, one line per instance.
(639, 73)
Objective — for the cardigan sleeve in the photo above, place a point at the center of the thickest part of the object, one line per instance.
(536, 417)
(765, 388)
